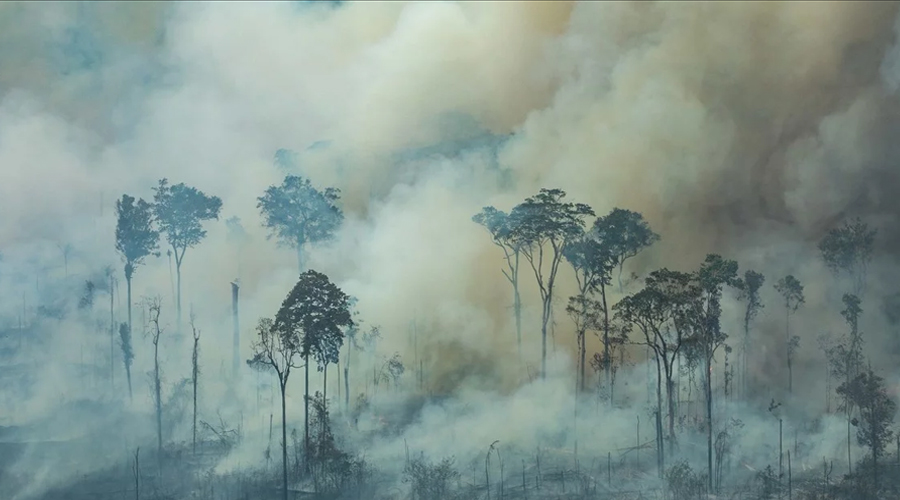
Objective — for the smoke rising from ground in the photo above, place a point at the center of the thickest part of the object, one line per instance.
(746, 129)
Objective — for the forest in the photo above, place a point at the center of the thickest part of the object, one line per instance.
(450, 250)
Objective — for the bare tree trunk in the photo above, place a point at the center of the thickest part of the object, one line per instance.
(306, 414)
(709, 430)
(325, 382)
(194, 375)
(178, 294)
(284, 459)
(544, 320)
(128, 287)
(158, 391)
(607, 358)
(517, 305)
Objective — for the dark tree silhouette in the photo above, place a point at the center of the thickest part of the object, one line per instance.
(660, 311)
(593, 265)
(791, 291)
(277, 349)
(876, 414)
(847, 250)
(498, 225)
(715, 273)
(314, 314)
(625, 234)
(845, 359)
(136, 238)
(297, 214)
(180, 211)
(540, 221)
(749, 288)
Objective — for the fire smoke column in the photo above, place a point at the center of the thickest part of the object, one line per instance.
(235, 286)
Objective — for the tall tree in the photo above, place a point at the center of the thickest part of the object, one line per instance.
(498, 225)
(543, 221)
(749, 288)
(791, 291)
(278, 348)
(847, 250)
(714, 274)
(845, 360)
(297, 214)
(180, 211)
(593, 266)
(136, 237)
(876, 414)
(659, 311)
(625, 234)
(315, 312)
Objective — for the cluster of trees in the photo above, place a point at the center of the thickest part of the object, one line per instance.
(677, 315)
(295, 212)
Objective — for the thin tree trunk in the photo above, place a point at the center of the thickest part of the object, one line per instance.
(608, 364)
(284, 459)
(128, 287)
(128, 376)
(306, 414)
(194, 374)
(347, 377)
(544, 321)
(325, 383)
(158, 391)
(517, 302)
(178, 294)
(709, 431)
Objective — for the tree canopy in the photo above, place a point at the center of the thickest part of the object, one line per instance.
(180, 211)
(315, 313)
(136, 236)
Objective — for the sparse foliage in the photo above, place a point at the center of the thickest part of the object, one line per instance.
(543, 221)
(499, 226)
(181, 211)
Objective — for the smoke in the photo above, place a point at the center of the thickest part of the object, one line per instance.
(747, 129)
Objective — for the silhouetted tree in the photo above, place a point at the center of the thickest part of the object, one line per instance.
(315, 314)
(625, 234)
(540, 221)
(278, 348)
(845, 359)
(876, 414)
(180, 211)
(499, 226)
(848, 250)
(749, 291)
(660, 311)
(715, 273)
(136, 238)
(792, 291)
(296, 213)
(593, 266)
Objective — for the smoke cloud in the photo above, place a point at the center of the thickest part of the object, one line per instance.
(746, 129)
